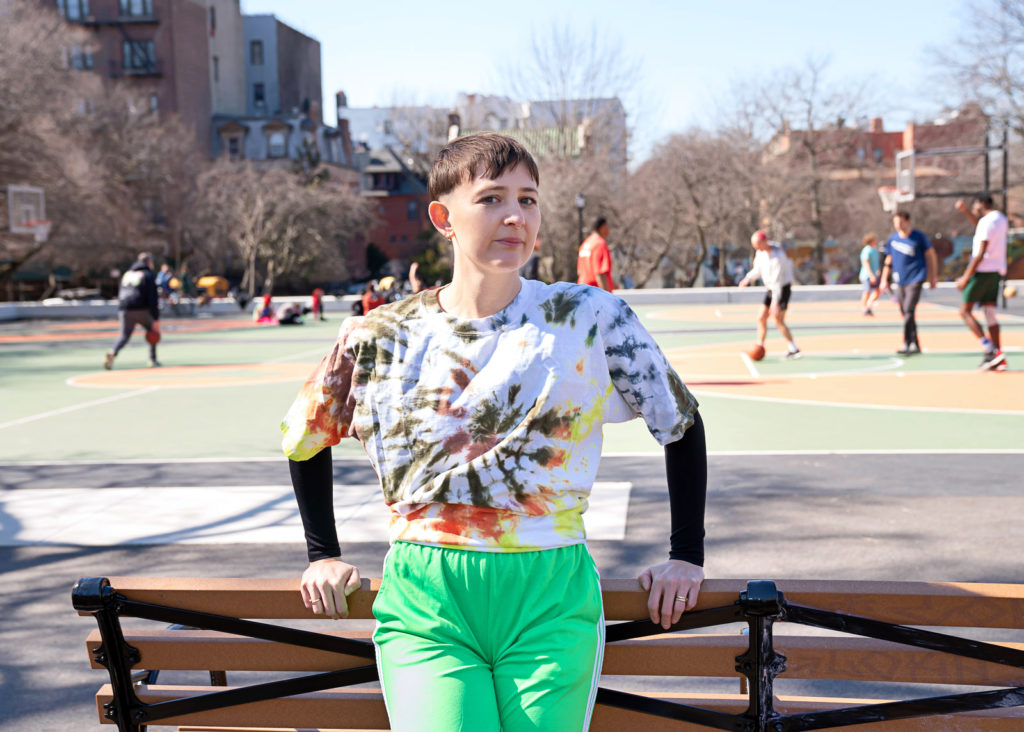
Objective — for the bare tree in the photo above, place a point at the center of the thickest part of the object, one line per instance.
(573, 85)
(986, 60)
(276, 224)
(806, 120)
(693, 194)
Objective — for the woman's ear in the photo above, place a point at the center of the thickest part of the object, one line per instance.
(438, 213)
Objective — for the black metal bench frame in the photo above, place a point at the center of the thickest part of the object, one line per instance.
(760, 606)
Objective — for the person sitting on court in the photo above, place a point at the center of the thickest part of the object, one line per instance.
(774, 268)
(480, 405)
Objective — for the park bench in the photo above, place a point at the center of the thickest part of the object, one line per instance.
(888, 634)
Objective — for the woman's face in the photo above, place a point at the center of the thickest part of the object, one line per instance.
(493, 224)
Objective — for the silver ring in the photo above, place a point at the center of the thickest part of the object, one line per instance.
(314, 602)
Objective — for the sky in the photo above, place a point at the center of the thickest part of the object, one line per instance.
(689, 51)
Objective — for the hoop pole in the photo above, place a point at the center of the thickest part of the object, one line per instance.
(987, 156)
(1006, 165)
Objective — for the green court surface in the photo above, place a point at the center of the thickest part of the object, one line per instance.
(225, 385)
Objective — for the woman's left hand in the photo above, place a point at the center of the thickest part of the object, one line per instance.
(674, 586)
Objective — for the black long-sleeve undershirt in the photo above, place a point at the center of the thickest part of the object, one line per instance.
(686, 467)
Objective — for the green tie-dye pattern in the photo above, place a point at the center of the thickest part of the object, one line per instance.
(497, 416)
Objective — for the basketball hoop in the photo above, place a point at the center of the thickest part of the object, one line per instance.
(890, 197)
(40, 229)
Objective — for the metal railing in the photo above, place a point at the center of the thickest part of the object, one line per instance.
(760, 606)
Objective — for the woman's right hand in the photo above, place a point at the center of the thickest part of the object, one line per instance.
(325, 585)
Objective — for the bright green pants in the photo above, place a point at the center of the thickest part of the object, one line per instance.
(480, 641)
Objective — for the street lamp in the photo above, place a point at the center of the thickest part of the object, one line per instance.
(580, 203)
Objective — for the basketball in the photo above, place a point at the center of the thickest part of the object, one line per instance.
(756, 353)
(1010, 291)
(153, 336)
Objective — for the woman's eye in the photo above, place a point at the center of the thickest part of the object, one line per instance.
(528, 201)
(489, 199)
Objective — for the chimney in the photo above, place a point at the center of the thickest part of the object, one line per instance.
(454, 124)
(340, 103)
(346, 139)
(876, 125)
(908, 137)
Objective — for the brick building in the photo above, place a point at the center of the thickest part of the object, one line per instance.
(157, 48)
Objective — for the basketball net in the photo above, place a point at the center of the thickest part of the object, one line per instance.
(889, 195)
(40, 229)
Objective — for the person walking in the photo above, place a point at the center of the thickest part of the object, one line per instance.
(984, 273)
(870, 273)
(774, 268)
(594, 265)
(480, 405)
(137, 304)
(911, 260)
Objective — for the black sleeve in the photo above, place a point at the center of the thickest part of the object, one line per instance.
(686, 465)
(313, 481)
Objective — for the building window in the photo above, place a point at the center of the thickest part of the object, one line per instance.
(154, 102)
(878, 155)
(216, 68)
(136, 8)
(213, 21)
(80, 58)
(234, 147)
(73, 9)
(276, 147)
(413, 210)
(139, 55)
(256, 53)
(258, 97)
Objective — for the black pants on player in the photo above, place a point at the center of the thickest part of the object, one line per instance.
(908, 296)
(129, 319)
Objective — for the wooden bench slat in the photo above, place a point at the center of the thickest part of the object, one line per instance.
(967, 604)
(807, 657)
(362, 710)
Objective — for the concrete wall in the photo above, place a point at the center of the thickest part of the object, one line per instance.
(947, 294)
(298, 71)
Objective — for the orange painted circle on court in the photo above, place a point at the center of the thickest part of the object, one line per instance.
(196, 377)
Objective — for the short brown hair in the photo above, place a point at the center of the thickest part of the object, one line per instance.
(868, 238)
(487, 154)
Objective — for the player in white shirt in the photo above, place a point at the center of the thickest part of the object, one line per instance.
(773, 267)
(981, 280)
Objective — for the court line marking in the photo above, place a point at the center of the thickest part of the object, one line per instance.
(749, 362)
(83, 405)
(634, 454)
(885, 407)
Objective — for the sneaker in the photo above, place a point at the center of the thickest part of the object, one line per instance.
(153, 363)
(991, 360)
(790, 355)
(1001, 366)
(869, 312)
(108, 361)
(908, 351)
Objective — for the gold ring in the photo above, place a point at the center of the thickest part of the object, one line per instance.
(314, 602)
(681, 599)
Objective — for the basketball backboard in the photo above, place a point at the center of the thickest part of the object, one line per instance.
(25, 206)
(905, 176)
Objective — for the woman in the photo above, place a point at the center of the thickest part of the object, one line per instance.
(480, 406)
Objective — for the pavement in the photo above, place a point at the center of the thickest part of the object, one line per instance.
(934, 516)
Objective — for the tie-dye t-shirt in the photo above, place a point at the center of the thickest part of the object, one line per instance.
(486, 433)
